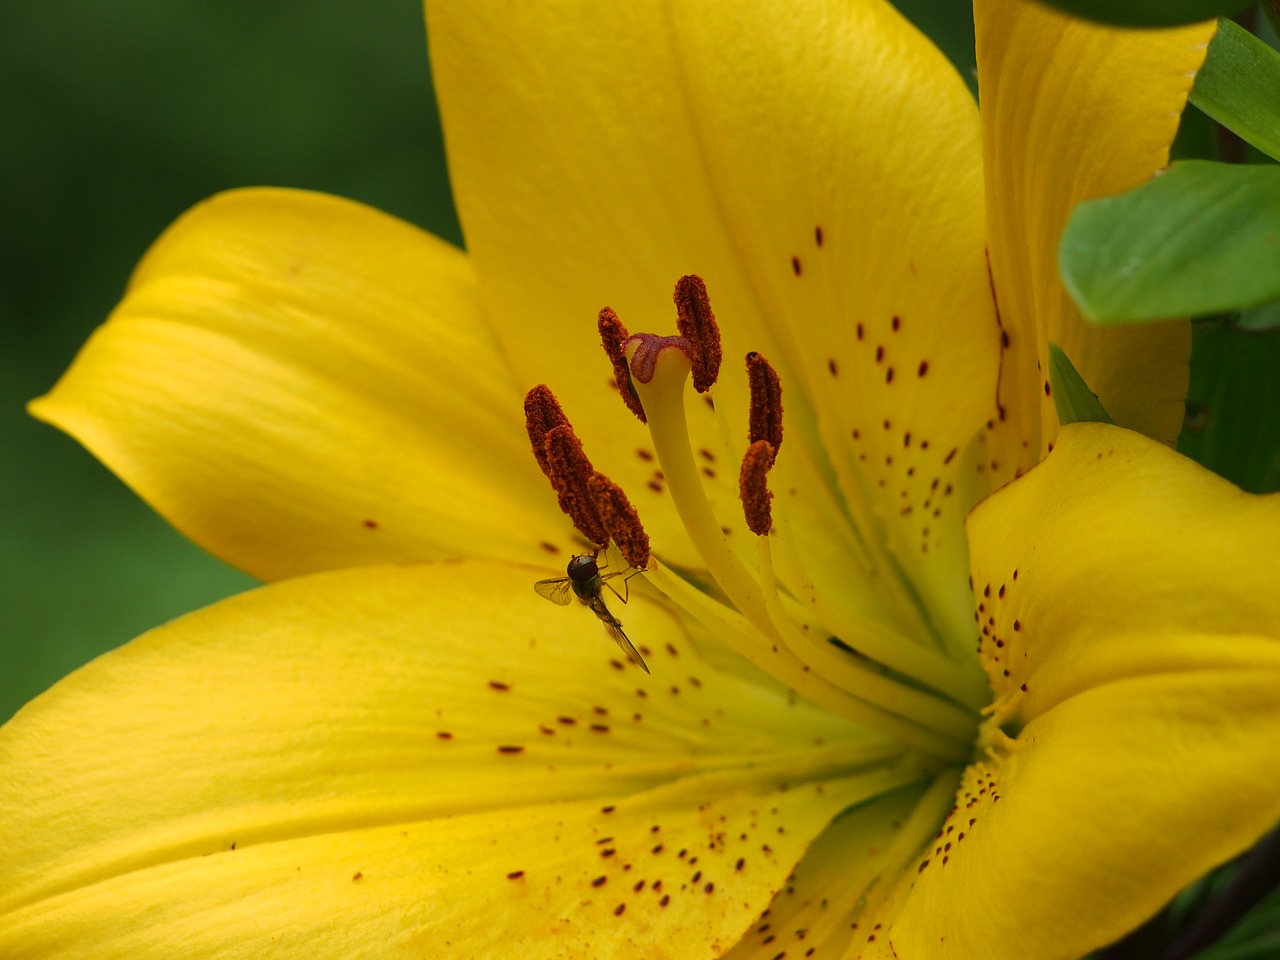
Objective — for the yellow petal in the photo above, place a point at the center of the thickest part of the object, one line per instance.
(817, 165)
(313, 722)
(841, 118)
(814, 910)
(1142, 621)
(298, 382)
(1109, 804)
(1163, 550)
(1073, 110)
(547, 881)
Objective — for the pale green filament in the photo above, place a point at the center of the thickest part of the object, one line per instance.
(761, 627)
(870, 638)
(918, 705)
(770, 655)
(902, 653)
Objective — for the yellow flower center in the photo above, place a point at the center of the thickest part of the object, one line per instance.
(763, 605)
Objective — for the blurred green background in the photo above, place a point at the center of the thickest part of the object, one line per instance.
(120, 114)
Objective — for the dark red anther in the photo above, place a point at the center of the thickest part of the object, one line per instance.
(697, 324)
(620, 519)
(542, 413)
(597, 506)
(570, 471)
(753, 486)
(765, 421)
(612, 336)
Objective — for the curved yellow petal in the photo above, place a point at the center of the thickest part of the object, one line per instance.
(1108, 804)
(672, 872)
(1073, 110)
(843, 895)
(324, 715)
(818, 166)
(1111, 559)
(1131, 628)
(298, 382)
(820, 907)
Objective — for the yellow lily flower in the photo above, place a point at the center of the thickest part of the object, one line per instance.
(398, 748)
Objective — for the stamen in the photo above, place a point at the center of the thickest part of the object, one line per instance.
(697, 324)
(621, 521)
(872, 685)
(766, 402)
(753, 487)
(767, 619)
(612, 335)
(542, 413)
(748, 637)
(597, 506)
(872, 638)
(570, 473)
(755, 635)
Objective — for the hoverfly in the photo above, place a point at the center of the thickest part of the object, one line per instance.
(587, 583)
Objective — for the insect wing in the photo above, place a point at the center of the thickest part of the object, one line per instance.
(615, 630)
(620, 638)
(558, 590)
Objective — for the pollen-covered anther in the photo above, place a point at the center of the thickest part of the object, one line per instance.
(613, 334)
(542, 414)
(621, 522)
(697, 324)
(765, 419)
(753, 486)
(570, 473)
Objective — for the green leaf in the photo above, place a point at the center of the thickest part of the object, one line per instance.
(1261, 319)
(1149, 13)
(1231, 424)
(1075, 402)
(1239, 86)
(1266, 947)
(1200, 238)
